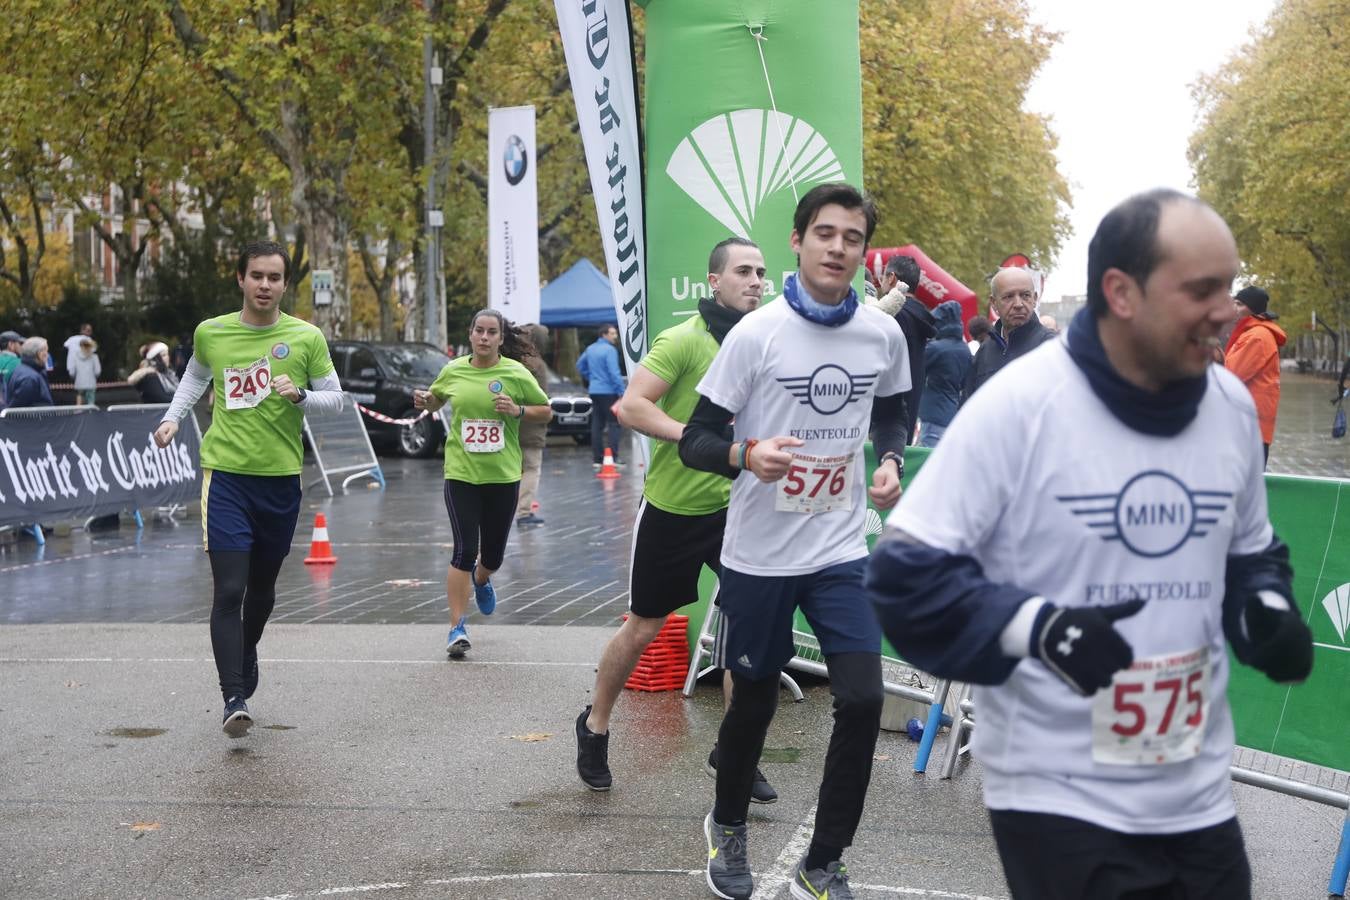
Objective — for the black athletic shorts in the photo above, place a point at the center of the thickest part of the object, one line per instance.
(669, 552)
(1048, 857)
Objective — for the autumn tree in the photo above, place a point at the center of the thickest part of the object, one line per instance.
(955, 163)
(1272, 155)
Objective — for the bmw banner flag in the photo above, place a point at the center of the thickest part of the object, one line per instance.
(513, 214)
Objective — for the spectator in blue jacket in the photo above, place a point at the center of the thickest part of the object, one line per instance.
(947, 362)
(599, 365)
(28, 383)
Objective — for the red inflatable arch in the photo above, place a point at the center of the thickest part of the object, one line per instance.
(935, 285)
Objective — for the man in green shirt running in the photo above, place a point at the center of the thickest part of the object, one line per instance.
(683, 512)
(251, 456)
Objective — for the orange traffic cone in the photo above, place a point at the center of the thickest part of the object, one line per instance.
(607, 468)
(320, 551)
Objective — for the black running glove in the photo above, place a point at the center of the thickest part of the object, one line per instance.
(1280, 642)
(1080, 644)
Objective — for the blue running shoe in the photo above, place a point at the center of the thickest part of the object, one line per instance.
(485, 595)
(236, 721)
(458, 641)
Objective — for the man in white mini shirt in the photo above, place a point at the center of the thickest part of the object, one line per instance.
(1104, 728)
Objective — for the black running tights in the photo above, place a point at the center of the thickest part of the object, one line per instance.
(245, 590)
(855, 682)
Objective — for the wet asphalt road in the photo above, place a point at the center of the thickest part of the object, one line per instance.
(378, 768)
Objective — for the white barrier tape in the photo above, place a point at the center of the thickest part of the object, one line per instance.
(381, 417)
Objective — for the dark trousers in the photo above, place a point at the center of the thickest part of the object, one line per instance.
(855, 683)
(604, 427)
(1048, 857)
(245, 592)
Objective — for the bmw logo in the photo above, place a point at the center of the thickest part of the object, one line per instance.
(281, 350)
(515, 162)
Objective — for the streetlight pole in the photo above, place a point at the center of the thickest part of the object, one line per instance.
(432, 216)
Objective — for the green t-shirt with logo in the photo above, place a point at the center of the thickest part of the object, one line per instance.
(680, 356)
(254, 430)
(483, 446)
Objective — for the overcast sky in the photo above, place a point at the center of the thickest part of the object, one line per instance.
(1118, 90)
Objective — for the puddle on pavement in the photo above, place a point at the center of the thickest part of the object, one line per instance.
(280, 727)
(134, 732)
(781, 755)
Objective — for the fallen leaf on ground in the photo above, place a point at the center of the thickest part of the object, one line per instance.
(533, 737)
(143, 826)
(881, 757)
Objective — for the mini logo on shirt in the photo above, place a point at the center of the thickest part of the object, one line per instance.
(281, 350)
(829, 388)
(495, 386)
(1153, 515)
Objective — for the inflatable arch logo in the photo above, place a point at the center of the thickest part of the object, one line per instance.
(731, 163)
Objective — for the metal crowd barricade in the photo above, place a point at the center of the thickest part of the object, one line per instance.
(43, 412)
(342, 447)
(168, 511)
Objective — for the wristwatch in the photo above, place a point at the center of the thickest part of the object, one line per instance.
(301, 398)
(899, 461)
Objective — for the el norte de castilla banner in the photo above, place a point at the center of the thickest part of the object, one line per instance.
(748, 106)
(91, 464)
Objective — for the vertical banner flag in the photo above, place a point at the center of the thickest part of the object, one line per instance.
(749, 106)
(513, 214)
(598, 46)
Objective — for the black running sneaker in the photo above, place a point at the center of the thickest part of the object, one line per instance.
(236, 721)
(250, 672)
(760, 792)
(592, 755)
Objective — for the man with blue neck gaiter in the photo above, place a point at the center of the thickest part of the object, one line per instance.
(1134, 464)
(802, 380)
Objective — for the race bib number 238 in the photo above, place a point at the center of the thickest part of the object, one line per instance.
(247, 386)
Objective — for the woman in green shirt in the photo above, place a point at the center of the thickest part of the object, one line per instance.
(489, 394)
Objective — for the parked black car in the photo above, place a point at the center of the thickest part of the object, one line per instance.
(382, 377)
(571, 408)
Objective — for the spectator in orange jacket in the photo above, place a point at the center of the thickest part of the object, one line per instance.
(1253, 354)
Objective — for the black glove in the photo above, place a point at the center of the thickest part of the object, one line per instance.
(1281, 643)
(1081, 646)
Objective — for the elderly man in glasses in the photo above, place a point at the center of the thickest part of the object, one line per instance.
(1012, 293)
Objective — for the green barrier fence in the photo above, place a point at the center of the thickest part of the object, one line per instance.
(1308, 722)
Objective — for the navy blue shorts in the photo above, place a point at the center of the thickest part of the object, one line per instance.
(249, 512)
(755, 639)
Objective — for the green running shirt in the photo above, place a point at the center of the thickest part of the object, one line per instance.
(680, 356)
(254, 430)
(483, 445)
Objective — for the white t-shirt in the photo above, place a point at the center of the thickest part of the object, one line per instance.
(72, 346)
(1048, 491)
(781, 374)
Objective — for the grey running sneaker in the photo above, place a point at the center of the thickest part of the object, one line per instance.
(760, 791)
(829, 883)
(592, 755)
(236, 720)
(728, 865)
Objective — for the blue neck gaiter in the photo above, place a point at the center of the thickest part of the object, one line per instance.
(814, 311)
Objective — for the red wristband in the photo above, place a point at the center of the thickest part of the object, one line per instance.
(745, 453)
